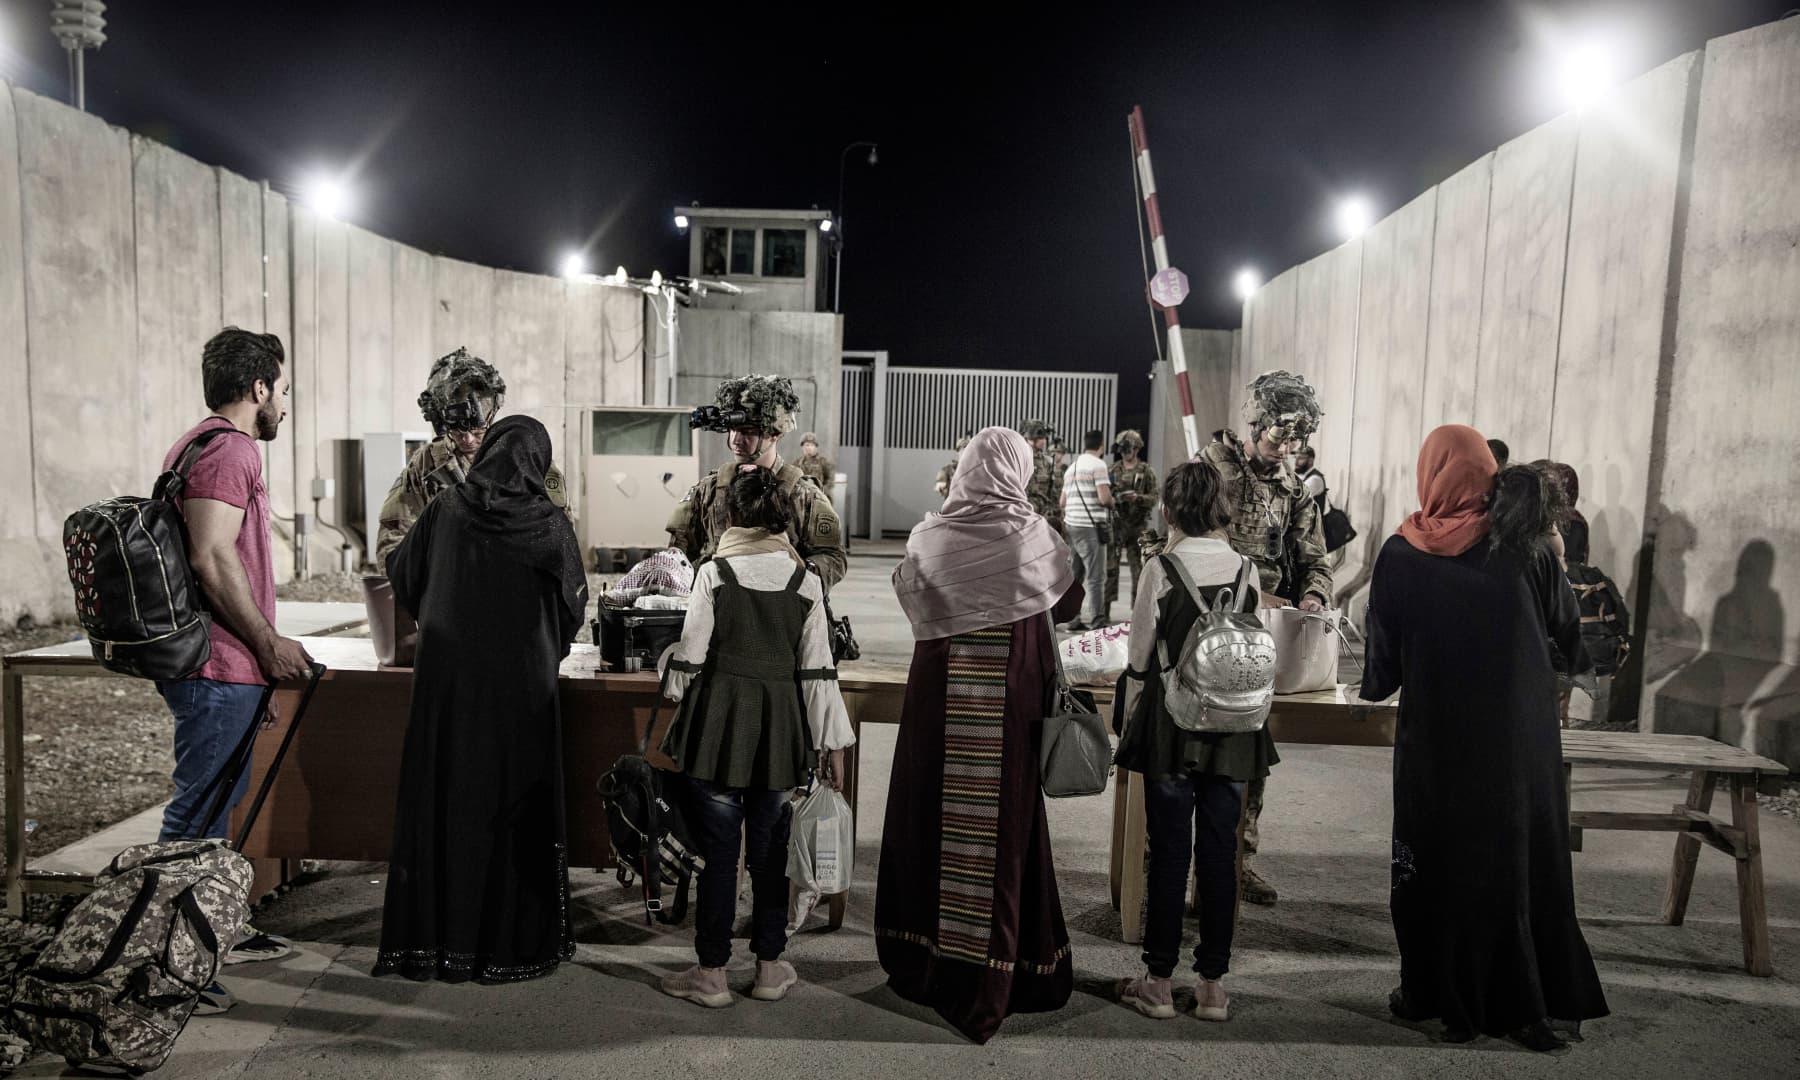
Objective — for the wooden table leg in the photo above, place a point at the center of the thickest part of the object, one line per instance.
(1116, 851)
(1133, 843)
(1687, 850)
(1569, 804)
(12, 705)
(1752, 911)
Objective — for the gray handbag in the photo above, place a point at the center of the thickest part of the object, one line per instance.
(1075, 755)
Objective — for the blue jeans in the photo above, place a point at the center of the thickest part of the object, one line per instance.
(1090, 570)
(1203, 811)
(210, 718)
(761, 819)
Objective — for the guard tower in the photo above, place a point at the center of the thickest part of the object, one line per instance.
(777, 257)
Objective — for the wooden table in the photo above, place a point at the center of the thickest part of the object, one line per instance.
(293, 618)
(1709, 764)
(334, 798)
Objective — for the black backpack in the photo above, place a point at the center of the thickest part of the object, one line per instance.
(135, 593)
(650, 835)
(1333, 522)
(1605, 622)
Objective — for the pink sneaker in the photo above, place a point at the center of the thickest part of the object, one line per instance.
(1210, 1002)
(700, 985)
(773, 980)
(1148, 995)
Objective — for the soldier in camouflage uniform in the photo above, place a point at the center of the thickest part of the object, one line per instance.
(1135, 492)
(1044, 490)
(817, 467)
(947, 472)
(696, 525)
(461, 397)
(1276, 525)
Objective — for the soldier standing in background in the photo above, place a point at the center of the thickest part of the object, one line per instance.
(1277, 525)
(947, 472)
(757, 411)
(1134, 488)
(817, 467)
(1045, 489)
(462, 396)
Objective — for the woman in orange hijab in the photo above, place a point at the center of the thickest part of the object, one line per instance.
(1463, 605)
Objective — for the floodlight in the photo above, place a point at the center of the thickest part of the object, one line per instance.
(1585, 73)
(328, 197)
(1354, 216)
(574, 265)
(1245, 283)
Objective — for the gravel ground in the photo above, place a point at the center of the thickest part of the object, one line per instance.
(96, 749)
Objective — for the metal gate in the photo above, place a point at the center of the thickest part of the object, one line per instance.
(915, 415)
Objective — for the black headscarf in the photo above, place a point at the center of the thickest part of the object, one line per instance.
(505, 502)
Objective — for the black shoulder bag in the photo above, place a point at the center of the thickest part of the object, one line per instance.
(843, 640)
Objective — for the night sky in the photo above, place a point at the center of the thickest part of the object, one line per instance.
(996, 230)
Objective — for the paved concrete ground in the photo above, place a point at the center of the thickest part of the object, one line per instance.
(1309, 981)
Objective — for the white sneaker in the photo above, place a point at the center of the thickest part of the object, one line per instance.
(253, 945)
(214, 1000)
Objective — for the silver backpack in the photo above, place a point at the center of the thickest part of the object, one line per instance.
(1224, 677)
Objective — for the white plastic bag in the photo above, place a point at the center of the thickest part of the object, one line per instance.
(821, 851)
(1097, 657)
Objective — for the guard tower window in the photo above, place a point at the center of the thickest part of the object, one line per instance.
(784, 253)
(714, 243)
(743, 251)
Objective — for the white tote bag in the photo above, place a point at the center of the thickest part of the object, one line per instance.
(1306, 648)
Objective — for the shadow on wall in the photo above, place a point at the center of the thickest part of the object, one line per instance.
(1677, 639)
(1723, 693)
(1369, 539)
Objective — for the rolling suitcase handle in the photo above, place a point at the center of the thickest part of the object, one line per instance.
(219, 788)
(287, 740)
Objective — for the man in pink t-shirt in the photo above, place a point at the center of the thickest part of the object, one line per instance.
(226, 507)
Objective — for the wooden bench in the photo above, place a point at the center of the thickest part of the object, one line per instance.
(1709, 764)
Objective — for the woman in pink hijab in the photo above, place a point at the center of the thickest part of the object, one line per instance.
(1464, 604)
(967, 916)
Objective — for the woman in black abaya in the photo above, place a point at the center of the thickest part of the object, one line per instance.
(478, 881)
(1463, 607)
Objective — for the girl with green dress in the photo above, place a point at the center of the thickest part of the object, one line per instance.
(759, 698)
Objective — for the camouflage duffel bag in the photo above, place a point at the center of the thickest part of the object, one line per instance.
(120, 980)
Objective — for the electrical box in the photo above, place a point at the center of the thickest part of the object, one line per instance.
(641, 463)
(383, 456)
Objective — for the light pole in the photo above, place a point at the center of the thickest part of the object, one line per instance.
(80, 25)
(837, 242)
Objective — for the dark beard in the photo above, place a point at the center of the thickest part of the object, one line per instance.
(268, 422)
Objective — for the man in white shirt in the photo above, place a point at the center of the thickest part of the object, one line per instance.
(1086, 498)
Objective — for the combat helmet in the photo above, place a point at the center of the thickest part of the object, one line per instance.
(1282, 404)
(1037, 429)
(1130, 437)
(769, 401)
(463, 392)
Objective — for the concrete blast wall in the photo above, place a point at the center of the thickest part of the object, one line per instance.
(119, 257)
(1614, 290)
(1726, 522)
